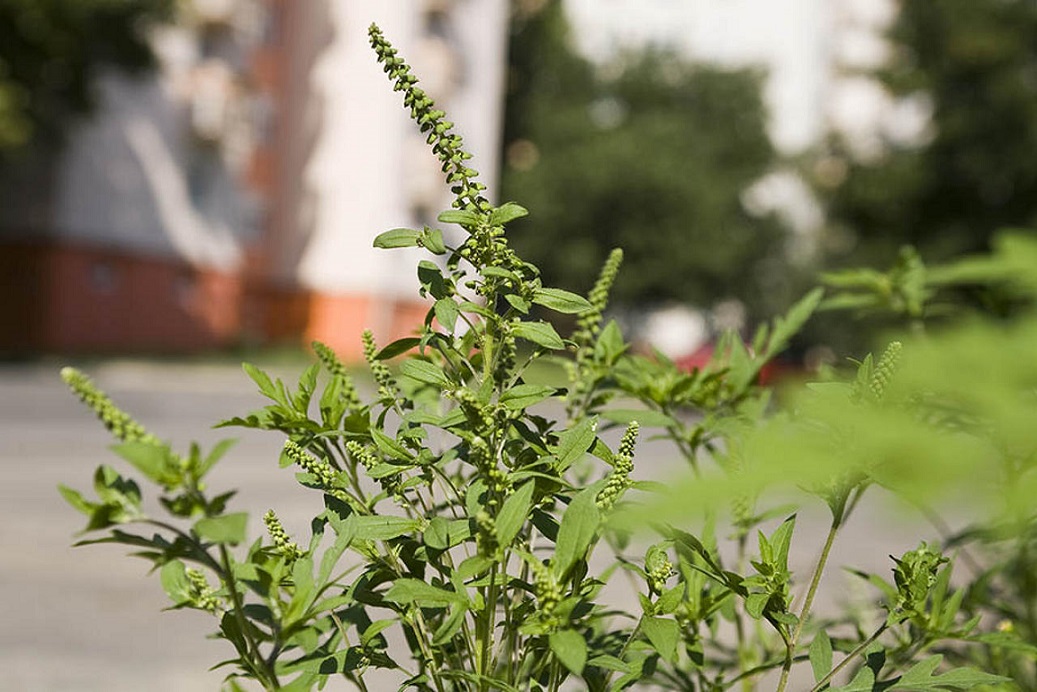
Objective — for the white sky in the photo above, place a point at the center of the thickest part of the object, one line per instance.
(794, 39)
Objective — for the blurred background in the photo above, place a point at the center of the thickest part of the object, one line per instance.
(183, 176)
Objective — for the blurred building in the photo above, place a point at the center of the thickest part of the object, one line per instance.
(233, 195)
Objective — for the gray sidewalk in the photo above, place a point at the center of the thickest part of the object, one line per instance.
(89, 619)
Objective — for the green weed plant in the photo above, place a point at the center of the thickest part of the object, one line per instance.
(467, 512)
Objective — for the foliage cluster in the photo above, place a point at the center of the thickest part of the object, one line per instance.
(650, 141)
(477, 516)
(970, 63)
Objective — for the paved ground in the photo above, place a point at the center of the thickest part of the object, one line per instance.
(88, 619)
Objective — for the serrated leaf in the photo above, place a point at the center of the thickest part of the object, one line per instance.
(540, 333)
(397, 237)
(562, 301)
(229, 528)
(422, 594)
(75, 498)
(509, 211)
(525, 395)
(265, 384)
(513, 513)
(920, 677)
(577, 529)
(570, 648)
(424, 371)
(664, 634)
(821, 655)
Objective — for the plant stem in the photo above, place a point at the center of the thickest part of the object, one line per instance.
(269, 677)
(849, 657)
(808, 602)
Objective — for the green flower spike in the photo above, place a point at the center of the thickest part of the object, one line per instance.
(319, 468)
(447, 147)
(619, 479)
(285, 547)
(119, 423)
(336, 368)
(885, 369)
(379, 370)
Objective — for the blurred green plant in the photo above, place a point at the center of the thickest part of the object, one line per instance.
(462, 514)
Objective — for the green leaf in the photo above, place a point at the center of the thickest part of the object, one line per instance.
(229, 528)
(443, 533)
(215, 455)
(821, 655)
(780, 541)
(175, 583)
(577, 530)
(398, 347)
(570, 648)
(518, 302)
(525, 395)
(382, 528)
(154, 461)
(755, 604)
(574, 443)
(664, 634)
(462, 217)
(426, 372)
(75, 498)
(389, 446)
(509, 211)
(432, 240)
(397, 237)
(920, 677)
(561, 301)
(422, 594)
(513, 513)
(446, 313)
(266, 385)
(540, 333)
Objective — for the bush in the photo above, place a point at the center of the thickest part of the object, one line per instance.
(461, 508)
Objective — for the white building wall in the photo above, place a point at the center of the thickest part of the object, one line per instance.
(370, 169)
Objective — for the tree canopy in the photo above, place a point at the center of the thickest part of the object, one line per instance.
(649, 153)
(52, 50)
(975, 63)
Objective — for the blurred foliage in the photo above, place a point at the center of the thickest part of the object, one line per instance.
(975, 62)
(648, 153)
(51, 51)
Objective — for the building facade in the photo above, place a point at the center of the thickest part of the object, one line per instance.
(233, 195)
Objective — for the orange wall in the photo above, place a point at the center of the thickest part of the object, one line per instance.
(68, 299)
(63, 298)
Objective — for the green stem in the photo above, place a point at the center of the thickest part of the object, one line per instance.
(265, 669)
(808, 602)
(849, 657)
(488, 625)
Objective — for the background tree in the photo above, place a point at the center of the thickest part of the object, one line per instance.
(975, 61)
(648, 153)
(52, 50)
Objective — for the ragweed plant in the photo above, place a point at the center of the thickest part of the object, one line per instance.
(457, 512)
